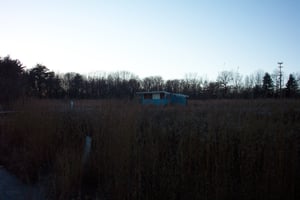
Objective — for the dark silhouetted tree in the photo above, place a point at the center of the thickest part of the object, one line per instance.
(134, 86)
(173, 86)
(37, 79)
(211, 90)
(53, 86)
(152, 83)
(11, 80)
(268, 86)
(76, 87)
(291, 87)
(192, 85)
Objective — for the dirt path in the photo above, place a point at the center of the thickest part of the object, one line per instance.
(11, 188)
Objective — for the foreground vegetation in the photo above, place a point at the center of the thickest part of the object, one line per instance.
(226, 149)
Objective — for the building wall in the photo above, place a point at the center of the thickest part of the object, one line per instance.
(162, 99)
(178, 100)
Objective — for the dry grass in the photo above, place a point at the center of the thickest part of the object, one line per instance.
(227, 149)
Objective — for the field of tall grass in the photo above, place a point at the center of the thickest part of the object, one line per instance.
(221, 149)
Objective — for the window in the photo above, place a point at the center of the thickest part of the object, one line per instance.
(147, 96)
(155, 96)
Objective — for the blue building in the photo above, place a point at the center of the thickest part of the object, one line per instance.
(162, 98)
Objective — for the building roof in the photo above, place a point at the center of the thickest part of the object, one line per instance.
(153, 92)
(165, 92)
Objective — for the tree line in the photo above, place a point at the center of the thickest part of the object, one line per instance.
(16, 81)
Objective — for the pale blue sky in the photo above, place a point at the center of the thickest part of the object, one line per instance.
(167, 38)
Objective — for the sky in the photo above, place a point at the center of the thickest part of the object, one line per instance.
(170, 38)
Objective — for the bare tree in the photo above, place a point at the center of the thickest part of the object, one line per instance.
(249, 81)
(237, 82)
(158, 82)
(173, 85)
(153, 83)
(192, 84)
(147, 83)
(259, 78)
(224, 79)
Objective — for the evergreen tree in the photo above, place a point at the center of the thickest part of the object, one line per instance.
(37, 79)
(11, 80)
(268, 86)
(291, 86)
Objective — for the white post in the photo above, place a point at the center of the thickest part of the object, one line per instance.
(71, 104)
(87, 148)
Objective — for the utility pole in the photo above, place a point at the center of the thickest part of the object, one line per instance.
(280, 76)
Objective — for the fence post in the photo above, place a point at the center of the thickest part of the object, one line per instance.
(87, 148)
(71, 104)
